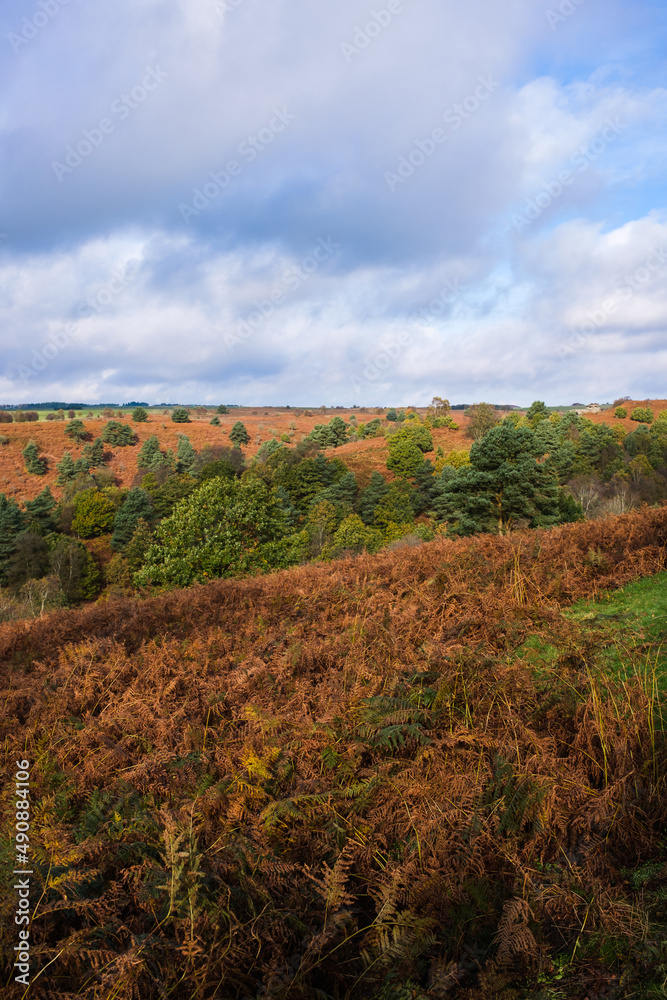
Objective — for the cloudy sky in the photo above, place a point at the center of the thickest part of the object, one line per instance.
(313, 202)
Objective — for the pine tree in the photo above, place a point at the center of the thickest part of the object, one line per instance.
(35, 465)
(149, 449)
(40, 513)
(136, 506)
(94, 453)
(12, 522)
(76, 429)
(65, 469)
(186, 456)
(139, 415)
(137, 547)
(371, 497)
(239, 435)
(117, 434)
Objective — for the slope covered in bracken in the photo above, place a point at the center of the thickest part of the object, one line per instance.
(343, 780)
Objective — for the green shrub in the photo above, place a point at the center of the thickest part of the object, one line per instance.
(139, 415)
(34, 465)
(215, 422)
(94, 514)
(620, 413)
(180, 415)
(642, 414)
(76, 429)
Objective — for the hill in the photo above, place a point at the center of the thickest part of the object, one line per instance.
(408, 775)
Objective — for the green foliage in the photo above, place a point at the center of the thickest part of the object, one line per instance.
(34, 465)
(239, 435)
(149, 451)
(76, 569)
(504, 486)
(352, 535)
(186, 456)
(93, 454)
(414, 432)
(180, 415)
(405, 457)
(620, 413)
(66, 470)
(76, 429)
(330, 435)
(139, 415)
(482, 418)
(167, 494)
(394, 509)
(29, 560)
(221, 530)
(4, 439)
(40, 512)
(215, 422)
(94, 514)
(371, 497)
(117, 434)
(139, 544)
(536, 413)
(222, 409)
(642, 414)
(136, 506)
(391, 414)
(12, 522)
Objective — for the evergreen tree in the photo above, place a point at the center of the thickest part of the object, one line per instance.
(29, 560)
(34, 465)
(504, 485)
(76, 569)
(65, 469)
(149, 449)
(94, 514)
(94, 453)
(117, 434)
(137, 547)
(239, 435)
(186, 456)
(76, 429)
(374, 493)
(223, 409)
(40, 513)
(215, 422)
(180, 415)
(139, 415)
(137, 505)
(12, 522)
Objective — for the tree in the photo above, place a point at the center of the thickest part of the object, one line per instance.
(34, 465)
(94, 514)
(186, 456)
(180, 415)
(536, 412)
(239, 435)
(391, 415)
(149, 449)
(136, 506)
(439, 407)
(394, 509)
(223, 409)
(642, 414)
(12, 522)
(352, 535)
(330, 435)
(40, 512)
(139, 544)
(225, 528)
(76, 569)
(404, 457)
(482, 417)
(215, 422)
(76, 429)
(139, 415)
(504, 486)
(29, 560)
(117, 434)
(620, 413)
(65, 468)
(93, 453)
(371, 497)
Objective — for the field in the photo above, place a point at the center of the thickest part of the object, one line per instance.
(436, 772)
(362, 457)
(262, 424)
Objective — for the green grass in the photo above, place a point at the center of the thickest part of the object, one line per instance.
(625, 629)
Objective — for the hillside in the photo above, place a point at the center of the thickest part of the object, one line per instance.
(356, 780)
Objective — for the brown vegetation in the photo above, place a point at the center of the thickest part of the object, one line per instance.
(302, 782)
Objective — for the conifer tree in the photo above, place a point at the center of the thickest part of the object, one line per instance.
(35, 465)
(136, 506)
(371, 497)
(149, 449)
(66, 471)
(186, 456)
(239, 435)
(12, 522)
(40, 512)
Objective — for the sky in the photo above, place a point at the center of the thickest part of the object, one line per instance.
(347, 203)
